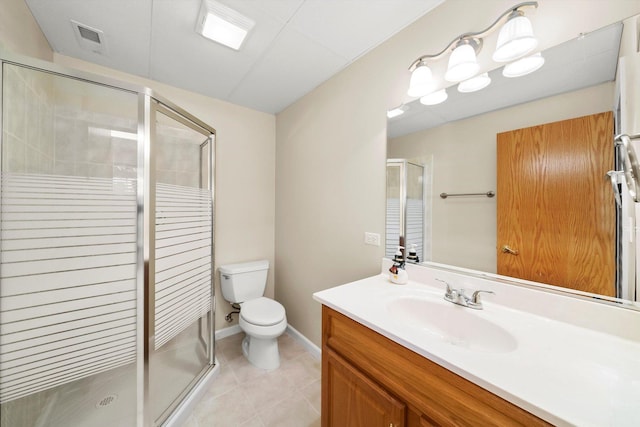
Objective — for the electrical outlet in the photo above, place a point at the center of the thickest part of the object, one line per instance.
(371, 238)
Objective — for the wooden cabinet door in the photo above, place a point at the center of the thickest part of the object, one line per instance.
(555, 205)
(350, 399)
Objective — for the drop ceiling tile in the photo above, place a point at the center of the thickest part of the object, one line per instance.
(293, 66)
(183, 58)
(281, 10)
(352, 27)
(126, 25)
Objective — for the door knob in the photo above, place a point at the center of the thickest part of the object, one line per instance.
(507, 250)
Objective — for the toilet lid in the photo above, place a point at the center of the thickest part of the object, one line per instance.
(262, 311)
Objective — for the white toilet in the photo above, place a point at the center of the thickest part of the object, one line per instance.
(262, 319)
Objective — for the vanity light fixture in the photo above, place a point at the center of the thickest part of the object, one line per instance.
(434, 98)
(514, 41)
(222, 24)
(475, 83)
(523, 66)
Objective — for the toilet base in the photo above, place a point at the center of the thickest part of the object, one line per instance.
(261, 353)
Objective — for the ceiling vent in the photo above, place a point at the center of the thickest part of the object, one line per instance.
(89, 38)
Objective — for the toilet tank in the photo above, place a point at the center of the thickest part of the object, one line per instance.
(244, 281)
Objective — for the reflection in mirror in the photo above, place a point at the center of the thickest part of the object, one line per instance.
(456, 143)
(406, 215)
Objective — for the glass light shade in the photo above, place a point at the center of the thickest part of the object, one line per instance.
(462, 64)
(515, 40)
(523, 66)
(434, 98)
(475, 83)
(421, 82)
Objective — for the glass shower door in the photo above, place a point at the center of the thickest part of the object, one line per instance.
(182, 330)
(68, 301)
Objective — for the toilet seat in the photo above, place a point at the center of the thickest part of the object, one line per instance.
(262, 312)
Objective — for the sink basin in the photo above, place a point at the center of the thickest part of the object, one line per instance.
(456, 325)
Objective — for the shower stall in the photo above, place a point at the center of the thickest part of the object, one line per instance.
(406, 223)
(106, 220)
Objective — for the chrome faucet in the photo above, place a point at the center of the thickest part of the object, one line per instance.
(457, 296)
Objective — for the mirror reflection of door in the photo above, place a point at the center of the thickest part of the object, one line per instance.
(556, 216)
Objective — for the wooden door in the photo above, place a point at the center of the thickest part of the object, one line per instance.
(555, 206)
(353, 400)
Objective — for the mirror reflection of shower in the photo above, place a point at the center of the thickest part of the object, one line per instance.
(408, 213)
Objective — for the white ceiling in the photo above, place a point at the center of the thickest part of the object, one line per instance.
(294, 47)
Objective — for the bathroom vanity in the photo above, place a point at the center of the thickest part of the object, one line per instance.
(370, 378)
(400, 355)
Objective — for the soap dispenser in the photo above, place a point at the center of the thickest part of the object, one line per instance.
(413, 254)
(397, 273)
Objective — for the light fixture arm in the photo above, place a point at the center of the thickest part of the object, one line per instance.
(475, 37)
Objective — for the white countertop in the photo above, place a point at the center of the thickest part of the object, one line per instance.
(563, 373)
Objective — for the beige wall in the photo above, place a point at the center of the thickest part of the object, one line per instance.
(19, 32)
(464, 161)
(331, 147)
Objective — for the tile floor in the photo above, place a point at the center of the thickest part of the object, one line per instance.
(245, 396)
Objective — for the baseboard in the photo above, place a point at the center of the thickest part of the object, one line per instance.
(313, 349)
(227, 332)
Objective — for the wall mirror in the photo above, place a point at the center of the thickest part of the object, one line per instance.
(455, 145)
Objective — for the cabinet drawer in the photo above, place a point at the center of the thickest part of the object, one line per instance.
(442, 396)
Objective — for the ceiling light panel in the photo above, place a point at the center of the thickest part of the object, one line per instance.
(223, 25)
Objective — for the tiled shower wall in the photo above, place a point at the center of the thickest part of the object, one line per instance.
(26, 133)
(178, 158)
(50, 132)
(84, 145)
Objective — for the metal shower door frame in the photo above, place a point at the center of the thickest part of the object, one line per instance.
(148, 107)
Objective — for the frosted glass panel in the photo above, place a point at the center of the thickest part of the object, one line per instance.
(68, 251)
(183, 263)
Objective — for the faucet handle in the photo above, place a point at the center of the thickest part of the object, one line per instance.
(475, 297)
(449, 290)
